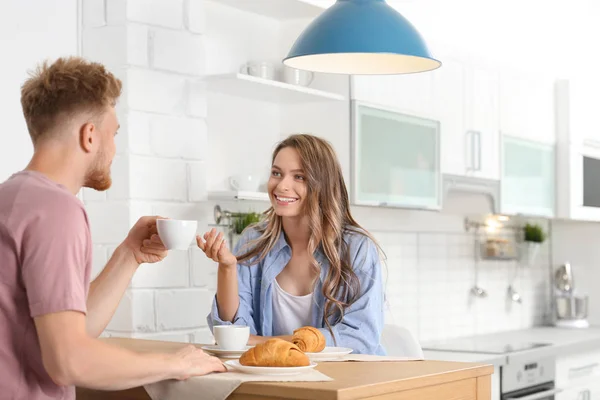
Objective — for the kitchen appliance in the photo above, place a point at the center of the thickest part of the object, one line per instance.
(578, 161)
(571, 308)
(563, 278)
(528, 378)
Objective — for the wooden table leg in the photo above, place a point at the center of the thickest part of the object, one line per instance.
(484, 387)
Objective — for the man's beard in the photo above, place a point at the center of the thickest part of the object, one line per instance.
(98, 176)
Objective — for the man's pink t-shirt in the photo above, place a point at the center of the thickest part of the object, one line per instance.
(45, 266)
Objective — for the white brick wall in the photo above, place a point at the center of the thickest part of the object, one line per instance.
(172, 272)
(120, 178)
(107, 44)
(195, 18)
(109, 221)
(197, 104)
(176, 144)
(177, 51)
(204, 270)
(158, 179)
(167, 13)
(178, 309)
(135, 313)
(157, 48)
(197, 182)
(94, 15)
(156, 91)
(138, 126)
(178, 137)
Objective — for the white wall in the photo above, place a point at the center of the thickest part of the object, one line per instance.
(30, 32)
(157, 48)
(430, 258)
(178, 141)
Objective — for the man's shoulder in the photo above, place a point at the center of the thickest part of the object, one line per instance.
(27, 195)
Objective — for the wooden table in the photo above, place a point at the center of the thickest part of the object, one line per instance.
(422, 380)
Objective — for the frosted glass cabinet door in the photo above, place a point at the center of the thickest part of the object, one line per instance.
(528, 177)
(396, 159)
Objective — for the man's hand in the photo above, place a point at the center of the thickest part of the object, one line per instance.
(194, 362)
(144, 243)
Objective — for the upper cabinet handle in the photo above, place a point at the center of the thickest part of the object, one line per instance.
(477, 138)
(469, 157)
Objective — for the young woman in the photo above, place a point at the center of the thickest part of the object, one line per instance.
(307, 263)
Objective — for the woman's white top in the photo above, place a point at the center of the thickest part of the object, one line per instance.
(290, 312)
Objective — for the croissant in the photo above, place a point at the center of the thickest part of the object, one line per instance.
(274, 353)
(309, 339)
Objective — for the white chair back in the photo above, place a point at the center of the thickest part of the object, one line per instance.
(399, 342)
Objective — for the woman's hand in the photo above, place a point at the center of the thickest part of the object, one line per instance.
(215, 248)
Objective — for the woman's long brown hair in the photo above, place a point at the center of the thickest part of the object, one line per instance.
(328, 210)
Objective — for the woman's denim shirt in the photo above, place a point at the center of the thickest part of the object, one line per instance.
(362, 324)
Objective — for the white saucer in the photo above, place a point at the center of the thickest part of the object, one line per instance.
(235, 364)
(329, 354)
(215, 350)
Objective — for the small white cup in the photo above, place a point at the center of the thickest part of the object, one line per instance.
(261, 69)
(297, 76)
(245, 183)
(176, 234)
(231, 337)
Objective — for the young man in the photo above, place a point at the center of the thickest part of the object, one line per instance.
(50, 314)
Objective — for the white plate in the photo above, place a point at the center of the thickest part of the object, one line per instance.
(235, 364)
(215, 350)
(329, 353)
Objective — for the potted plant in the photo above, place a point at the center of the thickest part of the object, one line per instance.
(534, 233)
(243, 220)
(534, 236)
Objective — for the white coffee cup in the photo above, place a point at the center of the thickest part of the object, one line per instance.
(245, 183)
(231, 337)
(261, 69)
(297, 76)
(176, 234)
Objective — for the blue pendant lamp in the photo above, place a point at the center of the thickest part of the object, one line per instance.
(361, 37)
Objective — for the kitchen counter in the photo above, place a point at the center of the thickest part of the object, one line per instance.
(351, 380)
(563, 341)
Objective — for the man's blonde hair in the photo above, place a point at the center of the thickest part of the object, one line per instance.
(66, 87)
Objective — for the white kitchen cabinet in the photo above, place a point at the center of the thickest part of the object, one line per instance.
(583, 106)
(482, 119)
(578, 164)
(449, 92)
(527, 107)
(395, 159)
(411, 94)
(527, 167)
(466, 102)
(584, 392)
(577, 375)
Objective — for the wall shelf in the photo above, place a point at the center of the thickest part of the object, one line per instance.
(279, 9)
(251, 87)
(235, 195)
